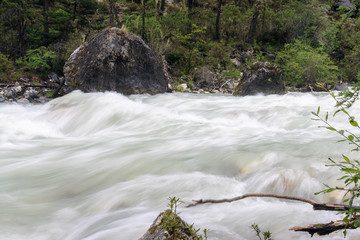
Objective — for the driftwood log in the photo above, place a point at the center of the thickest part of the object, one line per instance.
(320, 229)
(326, 228)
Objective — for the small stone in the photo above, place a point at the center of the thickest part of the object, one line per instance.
(9, 94)
(25, 80)
(31, 94)
(17, 89)
(2, 99)
(236, 62)
(183, 86)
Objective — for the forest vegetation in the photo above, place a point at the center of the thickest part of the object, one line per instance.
(313, 41)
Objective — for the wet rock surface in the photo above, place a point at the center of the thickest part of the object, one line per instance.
(261, 78)
(115, 60)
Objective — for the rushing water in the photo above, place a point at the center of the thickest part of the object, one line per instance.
(102, 165)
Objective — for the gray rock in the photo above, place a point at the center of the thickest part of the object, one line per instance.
(17, 90)
(31, 94)
(271, 56)
(53, 77)
(341, 87)
(343, 3)
(262, 78)
(115, 61)
(243, 56)
(10, 94)
(204, 78)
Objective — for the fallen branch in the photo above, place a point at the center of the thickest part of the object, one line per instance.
(316, 205)
(25, 85)
(320, 229)
(326, 228)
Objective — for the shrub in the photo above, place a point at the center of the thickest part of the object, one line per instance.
(350, 168)
(303, 64)
(37, 60)
(5, 64)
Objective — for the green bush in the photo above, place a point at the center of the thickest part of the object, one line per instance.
(303, 64)
(5, 64)
(37, 60)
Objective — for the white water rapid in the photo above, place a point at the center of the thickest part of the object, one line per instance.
(101, 166)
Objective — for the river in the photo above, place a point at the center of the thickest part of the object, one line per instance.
(102, 165)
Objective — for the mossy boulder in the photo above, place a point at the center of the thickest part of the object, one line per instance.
(115, 60)
(169, 225)
(261, 78)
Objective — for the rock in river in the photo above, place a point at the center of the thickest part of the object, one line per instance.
(115, 60)
(262, 77)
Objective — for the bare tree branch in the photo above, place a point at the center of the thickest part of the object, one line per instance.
(316, 205)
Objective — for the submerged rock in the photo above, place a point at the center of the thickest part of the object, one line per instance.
(168, 225)
(115, 60)
(262, 77)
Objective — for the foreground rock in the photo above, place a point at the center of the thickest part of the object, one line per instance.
(261, 78)
(169, 226)
(115, 61)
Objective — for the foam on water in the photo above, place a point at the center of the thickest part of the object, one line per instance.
(102, 165)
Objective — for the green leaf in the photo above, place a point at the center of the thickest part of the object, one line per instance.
(350, 170)
(318, 110)
(351, 137)
(354, 123)
(326, 117)
(331, 128)
(346, 158)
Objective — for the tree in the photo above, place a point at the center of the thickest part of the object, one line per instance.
(217, 23)
(113, 14)
(254, 23)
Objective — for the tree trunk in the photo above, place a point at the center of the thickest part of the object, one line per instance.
(21, 30)
(46, 20)
(253, 24)
(162, 7)
(75, 10)
(111, 12)
(190, 5)
(217, 24)
(143, 33)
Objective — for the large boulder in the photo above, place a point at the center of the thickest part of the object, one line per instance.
(115, 60)
(264, 78)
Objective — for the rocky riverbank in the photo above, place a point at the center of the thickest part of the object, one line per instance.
(26, 91)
